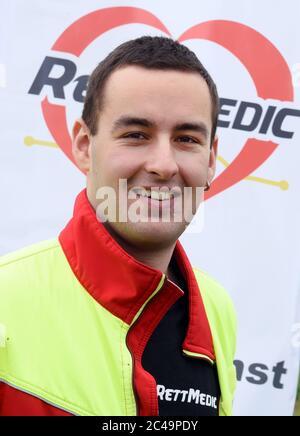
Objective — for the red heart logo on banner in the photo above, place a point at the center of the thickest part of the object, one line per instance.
(265, 64)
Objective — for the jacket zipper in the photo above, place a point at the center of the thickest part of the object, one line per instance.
(137, 405)
(159, 287)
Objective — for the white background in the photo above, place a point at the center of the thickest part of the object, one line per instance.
(251, 239)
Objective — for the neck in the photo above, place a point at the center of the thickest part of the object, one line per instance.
(156, 257)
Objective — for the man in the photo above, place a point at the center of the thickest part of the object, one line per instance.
(111, 319)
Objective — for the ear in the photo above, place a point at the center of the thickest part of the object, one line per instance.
(212, 159)
(81, 145)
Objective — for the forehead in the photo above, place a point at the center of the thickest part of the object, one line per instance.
(164, 95)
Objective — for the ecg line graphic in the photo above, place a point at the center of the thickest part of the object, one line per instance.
(282, 184)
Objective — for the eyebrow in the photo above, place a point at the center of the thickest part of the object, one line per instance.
(127, 121)
(196, 127)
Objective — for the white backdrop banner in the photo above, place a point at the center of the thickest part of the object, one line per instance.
(250, 241)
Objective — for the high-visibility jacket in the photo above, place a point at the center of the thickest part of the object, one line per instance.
(76, 314)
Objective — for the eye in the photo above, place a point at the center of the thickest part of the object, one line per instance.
(135, 135)
(187, 139)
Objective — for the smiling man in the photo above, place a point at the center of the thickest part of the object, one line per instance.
(110, 318)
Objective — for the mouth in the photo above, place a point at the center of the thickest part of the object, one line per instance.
(157, 194)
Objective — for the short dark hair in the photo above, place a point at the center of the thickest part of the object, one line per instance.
(151, 52)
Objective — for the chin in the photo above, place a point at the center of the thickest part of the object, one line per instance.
(151, 234)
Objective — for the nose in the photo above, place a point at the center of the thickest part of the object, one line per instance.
(161, 160)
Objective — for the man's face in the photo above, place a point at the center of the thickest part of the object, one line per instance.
(154, 131)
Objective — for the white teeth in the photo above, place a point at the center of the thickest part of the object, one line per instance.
(145, 193)
(157, 195)
(161, 195)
